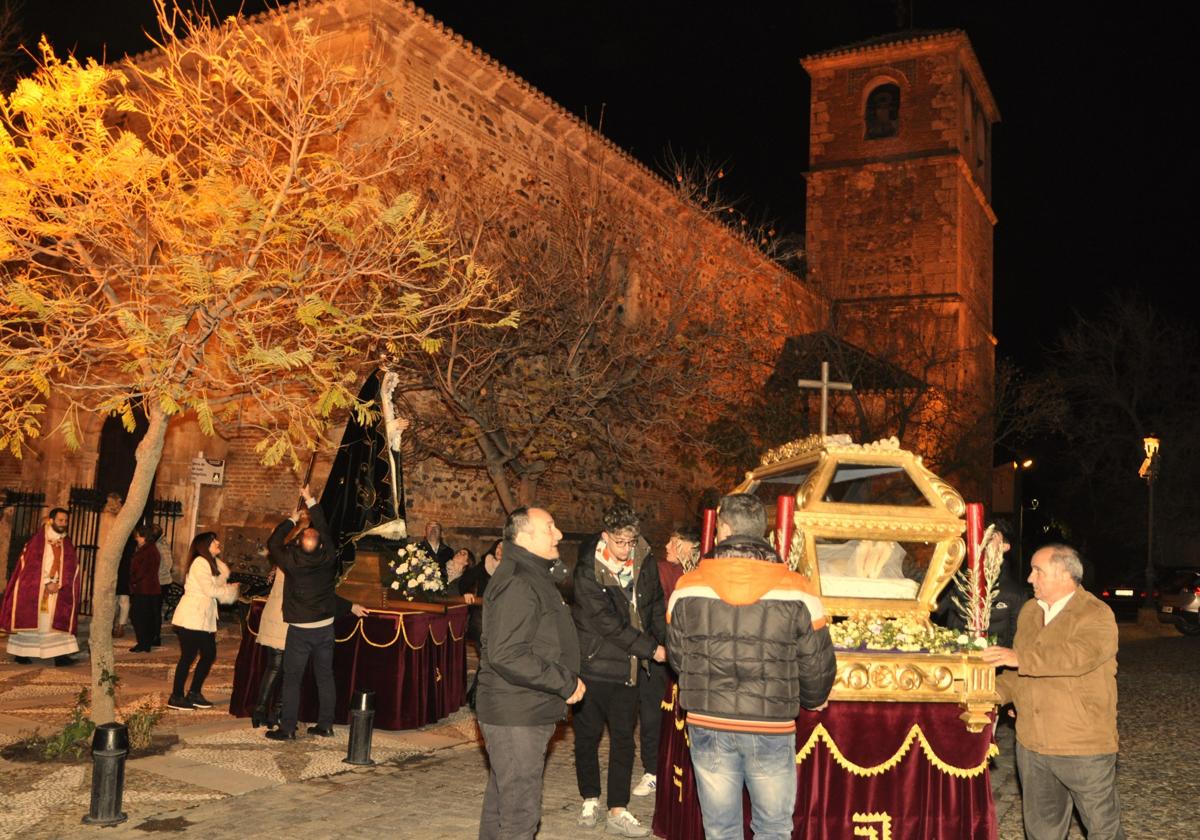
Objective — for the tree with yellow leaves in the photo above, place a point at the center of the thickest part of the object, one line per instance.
(210, 232)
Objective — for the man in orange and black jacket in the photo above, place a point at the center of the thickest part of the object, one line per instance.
(751, 646)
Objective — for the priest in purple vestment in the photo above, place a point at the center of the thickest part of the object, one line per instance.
(41, 602)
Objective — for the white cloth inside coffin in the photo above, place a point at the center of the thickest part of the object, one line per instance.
(864, 569)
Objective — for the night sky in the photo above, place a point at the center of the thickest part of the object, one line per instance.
(1090, 178)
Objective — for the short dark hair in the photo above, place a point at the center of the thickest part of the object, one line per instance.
(1004, 527)
(619, 516)
(517, 522)
(56, 511)
(744, 514)
(690, 533)
(145, 531)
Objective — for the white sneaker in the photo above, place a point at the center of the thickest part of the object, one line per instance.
(647, 785)
(587, 817)
(625, 824)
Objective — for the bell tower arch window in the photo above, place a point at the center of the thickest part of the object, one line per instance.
(882, 113)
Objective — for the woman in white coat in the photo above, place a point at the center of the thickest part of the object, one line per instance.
(195, 619)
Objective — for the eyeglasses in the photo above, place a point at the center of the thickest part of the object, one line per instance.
(629, 543)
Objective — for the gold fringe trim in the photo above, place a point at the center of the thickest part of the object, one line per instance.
(868, 831)
(820, 733)
(401, 630)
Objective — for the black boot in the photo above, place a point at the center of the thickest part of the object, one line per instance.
(264, 712)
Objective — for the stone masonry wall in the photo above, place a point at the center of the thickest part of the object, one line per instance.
(480, 115)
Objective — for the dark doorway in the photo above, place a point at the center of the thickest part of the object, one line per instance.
(118, 455)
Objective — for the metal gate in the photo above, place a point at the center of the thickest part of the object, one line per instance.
(86, 507)
(166, 513)
(26, 518)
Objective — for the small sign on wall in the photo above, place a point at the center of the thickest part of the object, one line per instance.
(208, 471)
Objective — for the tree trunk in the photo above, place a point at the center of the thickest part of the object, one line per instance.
(108, 557)
(529, 487)
(499, 477)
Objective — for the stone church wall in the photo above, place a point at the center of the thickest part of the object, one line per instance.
(478, 114)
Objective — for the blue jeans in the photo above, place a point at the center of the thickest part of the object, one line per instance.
(765, 764)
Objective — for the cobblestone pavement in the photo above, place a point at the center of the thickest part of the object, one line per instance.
(433, 789)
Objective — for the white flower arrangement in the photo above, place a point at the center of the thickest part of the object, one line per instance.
(415, 574)
(900, 635)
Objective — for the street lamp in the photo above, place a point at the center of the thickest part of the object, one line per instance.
(1018, 468)
(1033, 505)
(1149, 471)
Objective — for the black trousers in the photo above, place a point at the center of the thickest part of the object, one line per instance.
(193, 644)
(652, 686)
(142, 616)
(616, 705)
(303, 643)
(158, 605)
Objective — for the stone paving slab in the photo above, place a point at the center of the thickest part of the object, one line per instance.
(426, 790)
(196, 767)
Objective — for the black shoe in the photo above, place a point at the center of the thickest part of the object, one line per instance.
(323, 731)
(197, 700)
(156, 643)
(64, 660)
(139, 649)
(280, 735)
(181, 703)
(22, 660)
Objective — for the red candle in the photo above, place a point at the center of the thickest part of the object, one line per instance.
(785, 507)
(708, 531)
(975, 559)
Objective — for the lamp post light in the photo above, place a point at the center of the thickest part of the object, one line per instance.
(1020, 467)
(1033, 505)
(1149, 471)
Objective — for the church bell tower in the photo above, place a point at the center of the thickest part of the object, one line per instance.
(899, 212)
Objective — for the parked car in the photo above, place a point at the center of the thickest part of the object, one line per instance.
(1126, 596)
(1179, 603)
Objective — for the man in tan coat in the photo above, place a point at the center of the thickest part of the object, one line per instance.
(1061, 675)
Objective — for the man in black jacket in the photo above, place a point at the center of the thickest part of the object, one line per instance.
(309, 606)
(1011, 596)
(621, 619)
(528, 674)
(750, 644)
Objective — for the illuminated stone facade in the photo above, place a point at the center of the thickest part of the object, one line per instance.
(900, 224)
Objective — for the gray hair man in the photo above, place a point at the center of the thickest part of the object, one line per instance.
(1061, 676)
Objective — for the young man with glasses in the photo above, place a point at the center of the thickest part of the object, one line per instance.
(621, 619)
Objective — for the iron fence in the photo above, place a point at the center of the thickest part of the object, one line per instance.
(26, 518)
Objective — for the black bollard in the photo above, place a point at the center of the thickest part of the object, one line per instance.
(362, 725)
(110, 746)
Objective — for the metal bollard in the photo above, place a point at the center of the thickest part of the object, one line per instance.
(362, 725)
(110, 746)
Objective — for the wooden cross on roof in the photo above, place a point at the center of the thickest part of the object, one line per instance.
(825, 385)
